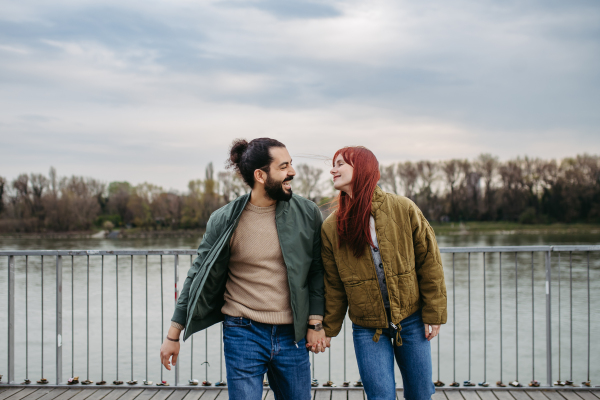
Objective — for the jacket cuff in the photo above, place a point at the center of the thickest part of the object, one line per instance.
(317, 317)
(179, 316)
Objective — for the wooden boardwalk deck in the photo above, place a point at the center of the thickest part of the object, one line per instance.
(135, 393)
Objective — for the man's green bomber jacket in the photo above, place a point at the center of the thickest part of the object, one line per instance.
(299, 230)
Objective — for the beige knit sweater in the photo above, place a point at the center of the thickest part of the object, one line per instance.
(258, 286)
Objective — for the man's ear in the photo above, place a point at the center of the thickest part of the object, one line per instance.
(260, 176)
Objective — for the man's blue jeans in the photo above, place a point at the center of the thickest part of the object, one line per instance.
(252, 348)
(376, 360)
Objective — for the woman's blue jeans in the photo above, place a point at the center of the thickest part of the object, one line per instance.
(253, 349)
(376, 360)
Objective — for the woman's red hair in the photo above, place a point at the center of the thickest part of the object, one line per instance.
(353, 213)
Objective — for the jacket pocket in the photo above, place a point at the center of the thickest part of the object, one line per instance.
(358, 305)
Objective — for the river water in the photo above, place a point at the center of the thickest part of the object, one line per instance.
(485, 354)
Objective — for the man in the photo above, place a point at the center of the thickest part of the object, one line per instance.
(259, 270)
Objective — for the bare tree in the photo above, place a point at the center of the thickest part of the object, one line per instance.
(389, 177)
(451, 170)
(307, 181)
(231, 184)
(2, 185)
(408, 175)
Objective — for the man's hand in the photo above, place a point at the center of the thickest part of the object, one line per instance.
(169, 349)
(431, 331)
(315, 341)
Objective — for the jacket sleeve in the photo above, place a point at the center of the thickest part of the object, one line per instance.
(430, 273)
(316, 297)
(208, 240)
(336, 302)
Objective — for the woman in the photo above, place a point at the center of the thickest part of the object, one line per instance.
(382, 262)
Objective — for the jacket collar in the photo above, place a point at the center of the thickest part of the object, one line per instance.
(378, 199)
(240, 203)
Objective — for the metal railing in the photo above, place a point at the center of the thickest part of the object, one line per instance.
(484, 281)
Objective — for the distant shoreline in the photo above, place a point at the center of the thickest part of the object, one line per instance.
(511, 228)
(124, 233)
(441, 229)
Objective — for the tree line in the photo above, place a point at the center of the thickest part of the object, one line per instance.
(527, 190)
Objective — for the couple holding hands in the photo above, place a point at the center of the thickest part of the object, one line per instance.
(281, 279)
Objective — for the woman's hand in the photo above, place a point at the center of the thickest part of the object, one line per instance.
(431, 331)
(316, 341)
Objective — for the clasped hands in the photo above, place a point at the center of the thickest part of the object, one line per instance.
(316, 341)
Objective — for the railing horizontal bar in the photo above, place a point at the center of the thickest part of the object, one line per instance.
(576, 248)
(486, 249)
(494, 249)
(95, 252)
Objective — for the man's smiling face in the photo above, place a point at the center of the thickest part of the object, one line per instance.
(278, 184)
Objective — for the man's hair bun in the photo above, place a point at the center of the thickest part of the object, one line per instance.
(238, 148)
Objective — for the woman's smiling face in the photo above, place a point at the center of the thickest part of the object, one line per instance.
(342, 174)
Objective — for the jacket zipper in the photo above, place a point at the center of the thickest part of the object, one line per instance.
(387, 323)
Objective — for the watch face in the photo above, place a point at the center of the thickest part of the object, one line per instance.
(318, 326)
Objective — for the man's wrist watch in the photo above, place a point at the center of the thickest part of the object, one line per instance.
(316, 327)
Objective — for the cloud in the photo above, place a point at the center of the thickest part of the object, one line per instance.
(142, 91)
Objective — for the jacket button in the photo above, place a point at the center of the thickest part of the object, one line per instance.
(375, 249)
(380, 265)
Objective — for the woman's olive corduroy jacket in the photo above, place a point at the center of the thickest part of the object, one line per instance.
(411, 261)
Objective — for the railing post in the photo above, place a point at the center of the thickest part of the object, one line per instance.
(11, 319)
(176, 270)
(58, 319)
(548, 319)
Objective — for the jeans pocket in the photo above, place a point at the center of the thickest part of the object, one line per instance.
(239, 322)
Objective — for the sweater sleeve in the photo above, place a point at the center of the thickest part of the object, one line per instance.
(336, 302)
(430, 273)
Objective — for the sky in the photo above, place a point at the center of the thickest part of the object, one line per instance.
(155, 90)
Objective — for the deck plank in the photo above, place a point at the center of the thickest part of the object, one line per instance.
(209, 395)
(223, 395)
(67, 394)
(147, 394)
(399, 394)
(23, 393)
(503, 395)
(469, 395)
(53, 393)
(322, 394)
(193, 394)
(116, 393)
(454, 395)
(553, 394)
(537, 395)
(339, 395)
(163, 394)
(9, 392)
(569, 395)
(178, 394)
(486, 395)
(520, 395)
(270, 395)
(131, 394)
(84, 394)
(438, 395)
(99, 394)
(38, 393)
(356, 394)
(586, 394)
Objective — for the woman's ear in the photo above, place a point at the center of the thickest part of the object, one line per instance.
(260, 176)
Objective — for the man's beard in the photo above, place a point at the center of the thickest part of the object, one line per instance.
(275, 189)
